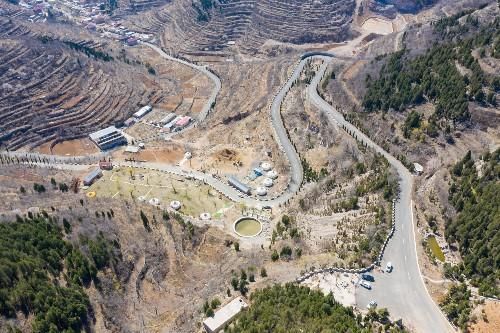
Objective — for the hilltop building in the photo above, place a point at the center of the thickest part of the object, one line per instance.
(168, 118)
(224, 315)
(182, 122)
(419, 169)
(105, 165)
(129, 122)
(92, 177)
(236, 183)
(131, 41)
(108, 138)
(143, 111)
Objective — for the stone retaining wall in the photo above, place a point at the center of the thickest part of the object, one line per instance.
(335, 269)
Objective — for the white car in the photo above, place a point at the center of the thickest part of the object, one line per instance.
(372, 305)
(388, 267)
(365, 284)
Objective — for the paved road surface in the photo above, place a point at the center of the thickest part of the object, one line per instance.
(402, 292)
(281, 136)
(203, 69)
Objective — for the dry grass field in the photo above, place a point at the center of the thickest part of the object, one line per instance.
(488, 318)
(144, 185)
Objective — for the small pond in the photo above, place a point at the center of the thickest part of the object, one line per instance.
(247, 227)
(436, 250)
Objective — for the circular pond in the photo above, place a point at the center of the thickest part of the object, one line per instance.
(247, 227)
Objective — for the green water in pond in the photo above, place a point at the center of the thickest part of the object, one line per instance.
(247, 227)
(436, 250)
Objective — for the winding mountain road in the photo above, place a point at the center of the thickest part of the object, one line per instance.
(402, 292)
(296, 174)
(203, 69)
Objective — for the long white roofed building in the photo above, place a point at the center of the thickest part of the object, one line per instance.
(224, 315)
(108, 138)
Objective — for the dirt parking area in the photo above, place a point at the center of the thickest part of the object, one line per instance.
(170, 154)
(75, 147)
(171, 103)
(198, 105)
(342, 286)
(377, 25)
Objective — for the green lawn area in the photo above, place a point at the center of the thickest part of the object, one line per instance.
(196, 198)
(436, 250)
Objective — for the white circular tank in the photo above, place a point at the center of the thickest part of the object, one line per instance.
(268, 182)
(266, 166)
(175, 205)
(188, 155)
(154, 201)
(272, 174)
(261, 191)
(205, 216)
(142, 198)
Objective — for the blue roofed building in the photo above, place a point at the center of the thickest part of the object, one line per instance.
(237, 184)
(92, 177)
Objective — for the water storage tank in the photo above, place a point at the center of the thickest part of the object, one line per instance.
(154, 201)
(261, 191)
(205, 216)
(272, 174)
(175, 205)
(266, 166)
(142, 198)
(268, 182)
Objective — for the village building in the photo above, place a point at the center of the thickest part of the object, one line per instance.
(419, 169)
(224, 316)
(108, 138)
(92, 177)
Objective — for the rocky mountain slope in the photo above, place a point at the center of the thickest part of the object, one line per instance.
(191, 26)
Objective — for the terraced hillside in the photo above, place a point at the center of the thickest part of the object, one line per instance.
(191, 27)
(390, 8)
(140, 5)
(53, 90)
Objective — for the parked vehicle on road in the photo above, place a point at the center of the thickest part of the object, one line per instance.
(365, 284)
(388, 267)
(368, 277)
(372, 305)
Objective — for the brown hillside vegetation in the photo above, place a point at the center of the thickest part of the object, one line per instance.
(162, 274)
(55, 89)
